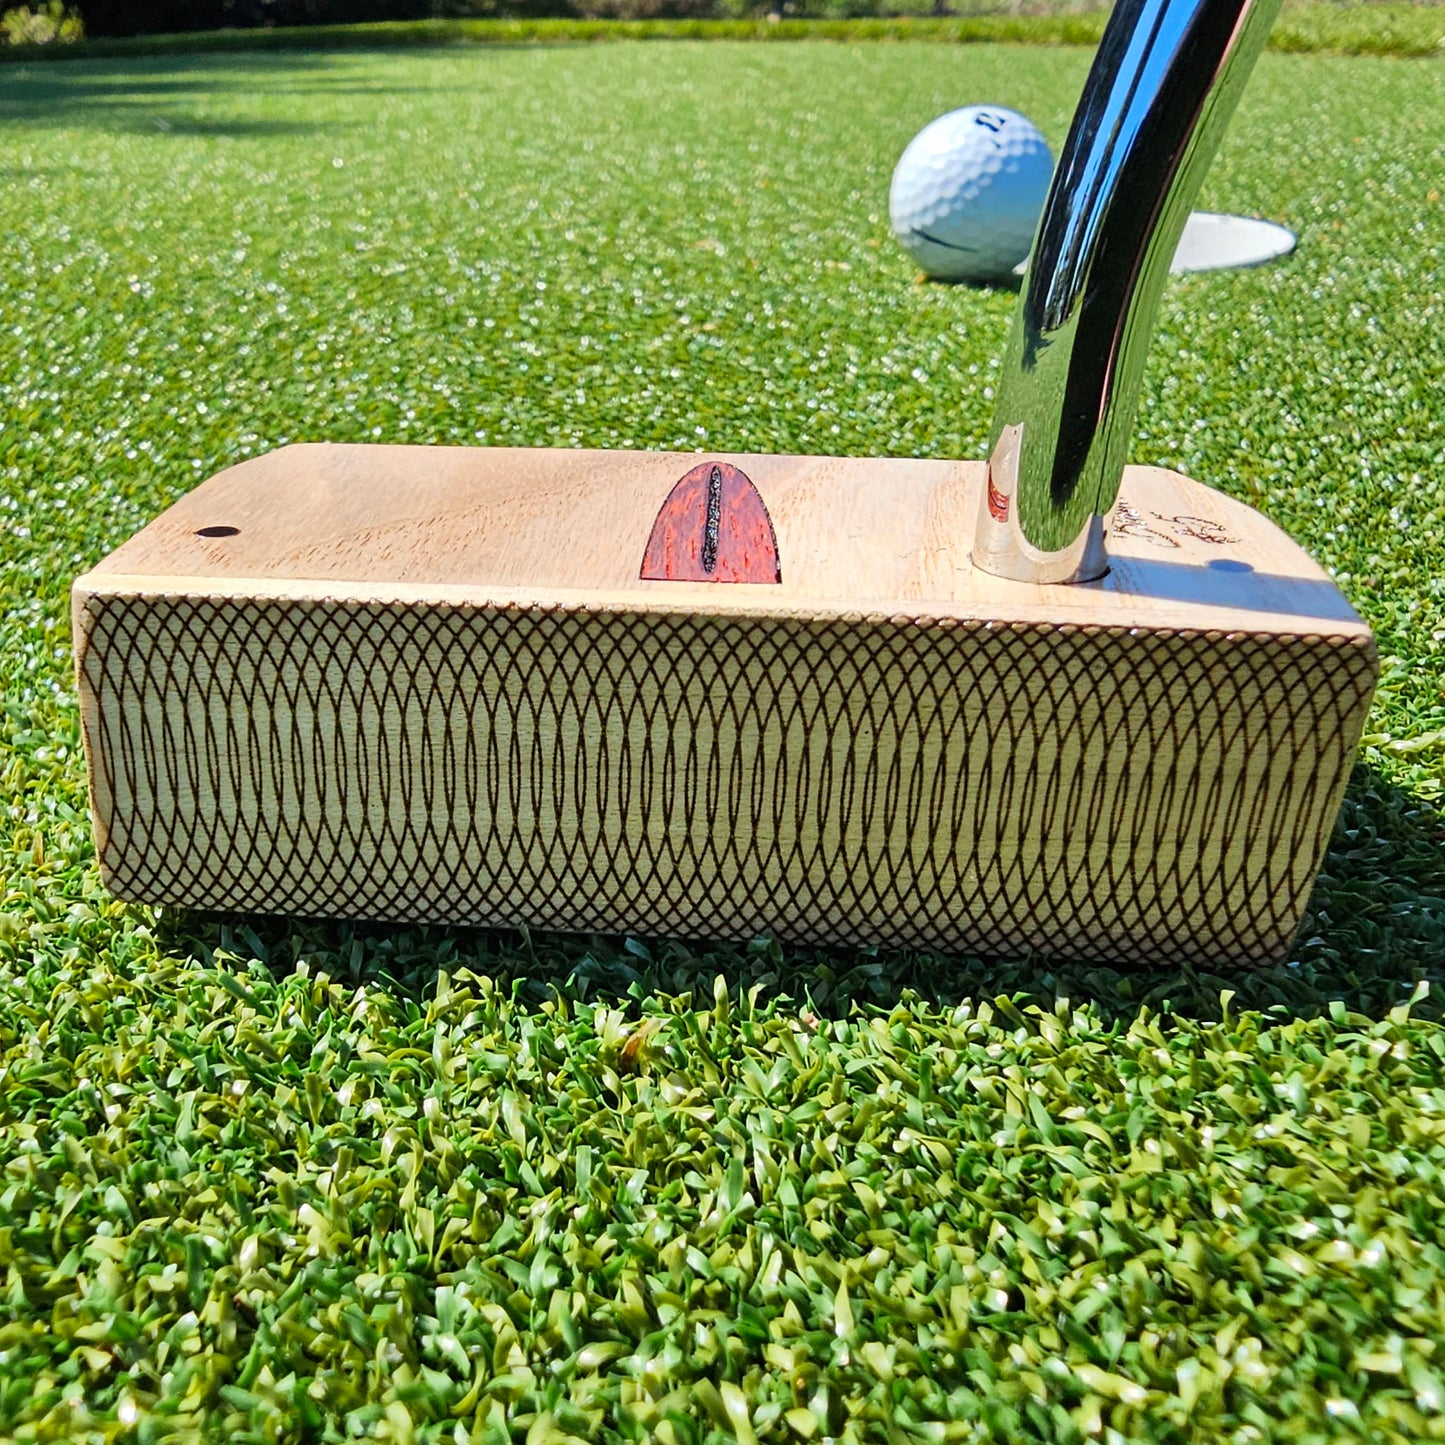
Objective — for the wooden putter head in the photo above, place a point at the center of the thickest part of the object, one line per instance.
(1044, 702)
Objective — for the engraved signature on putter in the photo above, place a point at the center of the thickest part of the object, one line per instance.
(1128, 523)
(941, 703)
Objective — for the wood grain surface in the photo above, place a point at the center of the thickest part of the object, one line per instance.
(433, 683)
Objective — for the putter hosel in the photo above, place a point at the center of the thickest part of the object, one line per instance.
(1164, 83)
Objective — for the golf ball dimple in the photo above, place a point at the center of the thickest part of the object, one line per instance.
(967, 193)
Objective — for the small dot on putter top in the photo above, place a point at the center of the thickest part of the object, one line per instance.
(218, 531)
(1228, 564)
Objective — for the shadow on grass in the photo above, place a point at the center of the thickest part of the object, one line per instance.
(172, 95)
(1375, 928)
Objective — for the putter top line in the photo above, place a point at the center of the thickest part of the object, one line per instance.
(821, 537)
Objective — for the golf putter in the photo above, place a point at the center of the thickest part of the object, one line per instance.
(1046, 702)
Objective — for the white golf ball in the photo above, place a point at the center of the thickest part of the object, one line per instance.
(967, 193)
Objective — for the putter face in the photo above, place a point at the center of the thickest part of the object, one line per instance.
(502, 686)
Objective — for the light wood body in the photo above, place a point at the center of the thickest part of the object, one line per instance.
(429, 683)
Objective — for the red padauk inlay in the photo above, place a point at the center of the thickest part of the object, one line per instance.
(713, 527)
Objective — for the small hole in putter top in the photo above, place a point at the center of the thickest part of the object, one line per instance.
(218, 531)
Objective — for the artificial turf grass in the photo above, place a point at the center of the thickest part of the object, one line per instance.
(350, 1212)
(201, 280)
(1306, 27)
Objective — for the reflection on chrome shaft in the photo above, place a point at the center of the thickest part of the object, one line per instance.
(1163, 86)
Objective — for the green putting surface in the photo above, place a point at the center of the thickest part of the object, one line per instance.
(246, 1201)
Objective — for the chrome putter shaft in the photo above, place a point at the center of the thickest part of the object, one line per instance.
(1163, 86)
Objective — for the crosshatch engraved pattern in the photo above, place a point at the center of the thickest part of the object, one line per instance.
(1083, 791)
